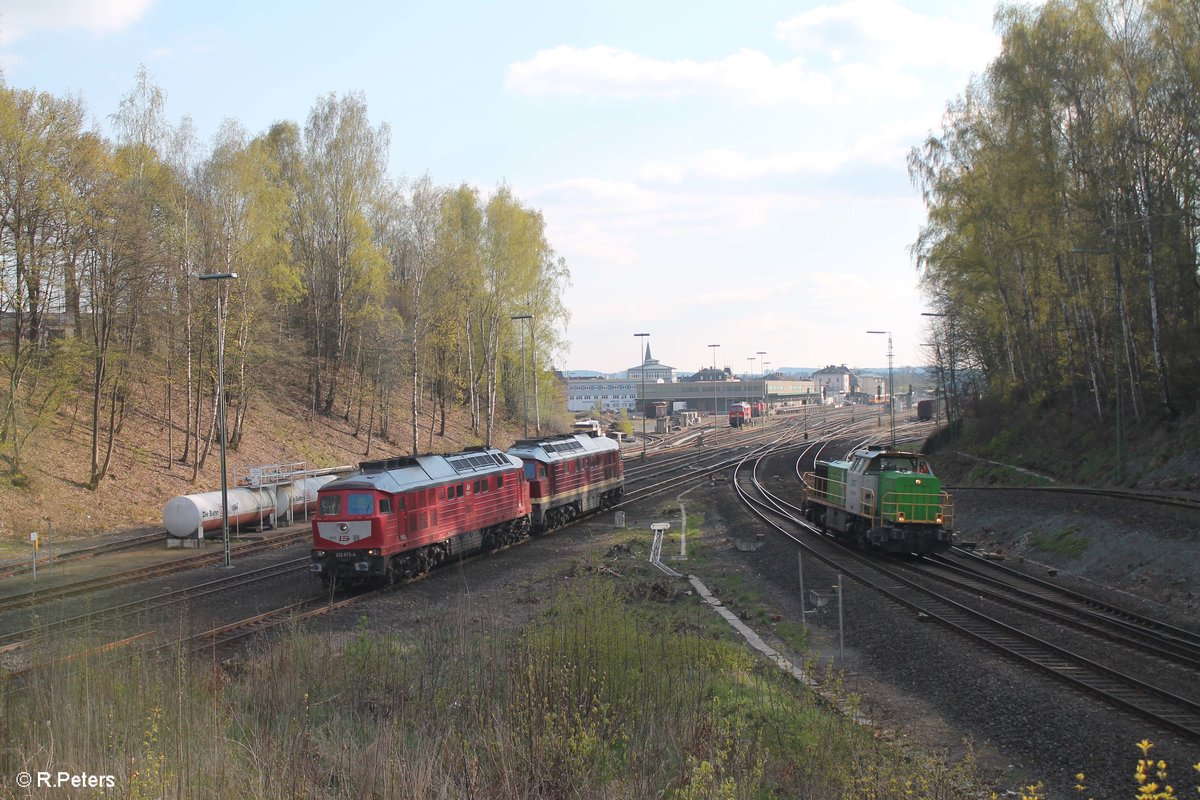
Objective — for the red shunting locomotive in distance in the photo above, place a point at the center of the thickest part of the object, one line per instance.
(739, 414)
(398, 517)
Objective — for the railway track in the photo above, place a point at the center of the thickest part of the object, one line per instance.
(1148, 635)
(29, 597)
(220, 636)
(936, 598)
(10, 569)
(1158, 498)
(12, 641)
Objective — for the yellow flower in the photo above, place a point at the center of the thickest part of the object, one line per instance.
(1144, 745)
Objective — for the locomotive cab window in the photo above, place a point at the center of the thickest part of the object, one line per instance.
(499, 481)
(531, 470)
(330, 504)
(385, 505)
(359, 503)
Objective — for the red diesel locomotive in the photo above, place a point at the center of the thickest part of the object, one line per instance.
(570, 476)
(739, 414)
(399, 517)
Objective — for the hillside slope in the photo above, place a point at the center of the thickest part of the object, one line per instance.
(141, 479)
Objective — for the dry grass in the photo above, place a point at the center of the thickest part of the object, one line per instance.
(595, 699)
(142, 477)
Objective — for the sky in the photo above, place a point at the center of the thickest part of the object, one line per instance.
(712, 172)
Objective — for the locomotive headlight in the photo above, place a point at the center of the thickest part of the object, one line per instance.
(900, 516)
(938, 519)
(318, 553)
(918, 481)
(373, 551)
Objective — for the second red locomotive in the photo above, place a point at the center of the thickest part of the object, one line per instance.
(569, 476)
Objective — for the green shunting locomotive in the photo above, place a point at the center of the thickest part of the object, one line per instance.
(883, 500)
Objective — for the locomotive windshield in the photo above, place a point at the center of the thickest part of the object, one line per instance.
(899, 464)
(359, 503)
(330, 504)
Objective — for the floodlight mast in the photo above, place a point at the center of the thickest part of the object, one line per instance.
(641, 347)
(524, 387)
(891, 393)
(218, 277)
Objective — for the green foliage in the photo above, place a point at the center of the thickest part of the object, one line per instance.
(1055, 172)
(1066, 542)
(344, 275)
(595, 698)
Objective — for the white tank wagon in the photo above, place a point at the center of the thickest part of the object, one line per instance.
(294, 500)
(186, 516)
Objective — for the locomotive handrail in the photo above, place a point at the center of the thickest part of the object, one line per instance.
(867, 501)
(895, 503)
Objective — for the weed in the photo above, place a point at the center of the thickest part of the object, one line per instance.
(1066, 542)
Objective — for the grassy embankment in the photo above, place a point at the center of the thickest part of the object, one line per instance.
(1053, 444)
(624, 686)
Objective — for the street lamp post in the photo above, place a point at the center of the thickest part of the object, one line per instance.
(221, 276)
(762, 364)
(1119, 347)
(524, 388)
(641, 347)
(891, 393)
(713, 348)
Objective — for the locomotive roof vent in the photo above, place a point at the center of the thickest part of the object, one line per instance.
(468, 463)
(564, 446)
(385, 464)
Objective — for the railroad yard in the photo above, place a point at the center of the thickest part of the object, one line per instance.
(921, 683)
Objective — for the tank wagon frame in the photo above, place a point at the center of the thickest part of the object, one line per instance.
(882, 500)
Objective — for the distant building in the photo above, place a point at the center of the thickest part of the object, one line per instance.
(835, 383)
(583, 394)
(654, 370)
(710, 374)
(615, 394)
(873, 388)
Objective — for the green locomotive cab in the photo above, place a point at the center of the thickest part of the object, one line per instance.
(881, 499)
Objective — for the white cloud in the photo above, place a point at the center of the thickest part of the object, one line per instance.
(19, 18)
(606, 71)
(849, 52)
(883, 32)
(886, 146)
